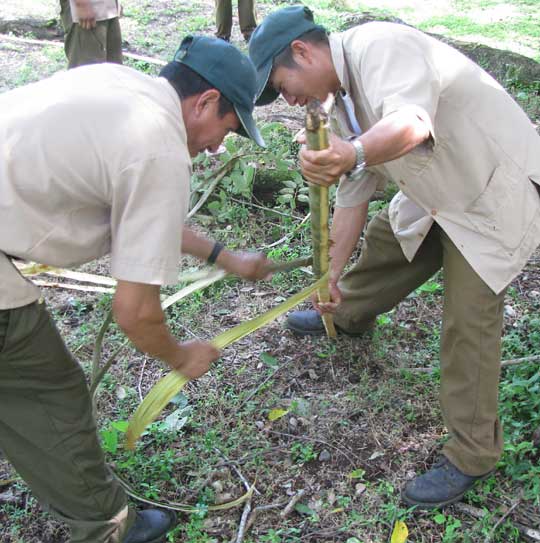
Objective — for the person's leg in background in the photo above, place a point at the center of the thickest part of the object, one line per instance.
(223, 19)
(247, 17)
(100, 44)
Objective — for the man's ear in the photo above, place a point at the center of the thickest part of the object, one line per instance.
(207, 99)
(301, 52)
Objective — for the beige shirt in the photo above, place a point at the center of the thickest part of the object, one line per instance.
(103, 9)
(474, 175)
(93, 161)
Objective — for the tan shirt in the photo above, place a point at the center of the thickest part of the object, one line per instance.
(474, 176)
(93, 161)
(103, 9)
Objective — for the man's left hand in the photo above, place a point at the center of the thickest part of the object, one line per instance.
(327, 166)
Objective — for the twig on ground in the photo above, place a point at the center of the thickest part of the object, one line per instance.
(515, 361)
(504, 364)
(516, 502)
(288, 235)
(269, 209)
(242, 527)
(141, 58)
(237, 471)
(261, 508)
(141, 375)
(293, 501)
(481, 513)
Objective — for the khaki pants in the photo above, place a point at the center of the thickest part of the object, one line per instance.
(246, 16)
(100, 44)
(47, 430)
(470, 336)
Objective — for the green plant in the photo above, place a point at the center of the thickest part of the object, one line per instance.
(302, 452)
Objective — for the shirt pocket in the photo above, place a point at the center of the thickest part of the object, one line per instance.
(506, 209)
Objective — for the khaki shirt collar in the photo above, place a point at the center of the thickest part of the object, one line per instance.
(338, 58)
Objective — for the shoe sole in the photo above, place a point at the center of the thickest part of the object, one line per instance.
(435, 505)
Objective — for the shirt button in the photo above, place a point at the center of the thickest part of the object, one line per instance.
(434, 212)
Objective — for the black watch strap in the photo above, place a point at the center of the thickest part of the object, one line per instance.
(218, 247)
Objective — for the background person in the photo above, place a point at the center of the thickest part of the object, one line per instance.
(246, 17)
(92, 31)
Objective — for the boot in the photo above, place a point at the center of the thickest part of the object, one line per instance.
(442, 485)
(151, 526)
(310, 323)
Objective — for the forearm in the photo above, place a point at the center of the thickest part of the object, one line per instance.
(347, 226)
(394, 136)
(153, 338)
(137, 310)
(200, 247)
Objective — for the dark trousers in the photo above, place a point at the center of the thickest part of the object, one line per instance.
(100, 44)
(47, 430)
(470, 337)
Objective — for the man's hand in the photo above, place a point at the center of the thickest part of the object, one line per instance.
(250, 266)
(331, 306)
(85, 13)
(195, 358)
(327, 166)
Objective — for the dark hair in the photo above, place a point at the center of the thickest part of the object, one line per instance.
(187, 82)
(316, 36)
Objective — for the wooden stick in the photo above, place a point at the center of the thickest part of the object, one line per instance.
(481, 513)
(515, 361)
(292, 503)
(29, 41)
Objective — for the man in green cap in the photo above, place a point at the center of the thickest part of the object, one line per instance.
(415, 111)
(115, 181)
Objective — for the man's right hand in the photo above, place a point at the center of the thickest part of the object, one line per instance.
(331, 306)
(85, 13)
(195, 358)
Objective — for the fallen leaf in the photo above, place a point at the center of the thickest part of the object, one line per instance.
(276, 414)
(400, 533)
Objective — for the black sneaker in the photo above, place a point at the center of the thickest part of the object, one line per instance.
(151, 526)
(442, 485)
(310, 323)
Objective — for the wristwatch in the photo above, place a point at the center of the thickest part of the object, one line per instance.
(360, 163)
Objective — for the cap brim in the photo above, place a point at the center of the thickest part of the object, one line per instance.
(248, 128)
(266, 93)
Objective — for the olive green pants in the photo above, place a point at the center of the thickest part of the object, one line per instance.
(246, 16)
(470, 336)
(100, 44)
(47, 430)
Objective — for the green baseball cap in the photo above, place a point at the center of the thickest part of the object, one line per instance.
(272, 36)
(229, 71)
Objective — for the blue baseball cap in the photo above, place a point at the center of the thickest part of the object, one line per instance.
(229, 71)
(270, 38)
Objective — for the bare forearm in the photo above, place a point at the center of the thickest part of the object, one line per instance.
(394, 136)
(347, 225)
(138, 312)
(200, 247)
